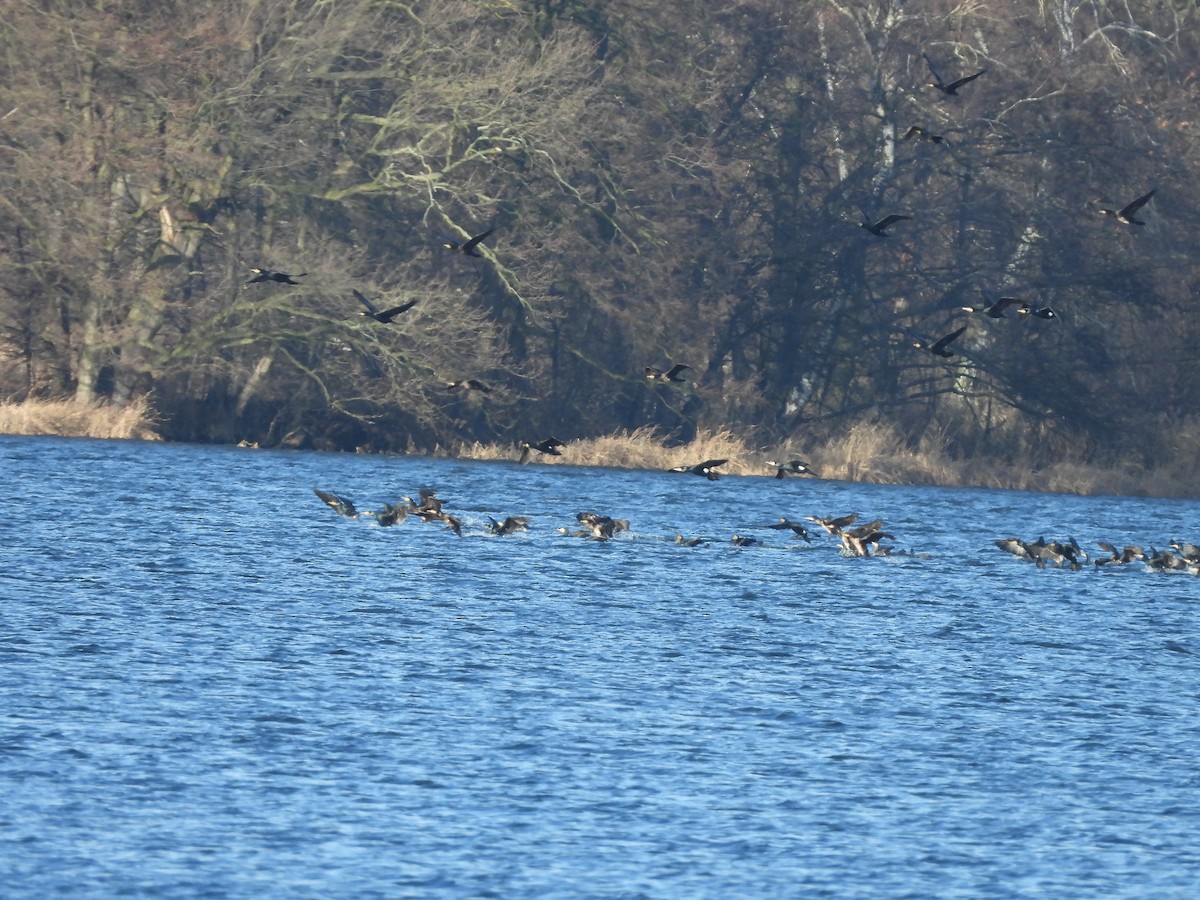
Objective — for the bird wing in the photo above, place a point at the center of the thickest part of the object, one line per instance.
(1136, 205)
(396, 310)
(912, 131)
(940, 343)
(473, 242)
(955, 85)
(888, 220)
(371, 308)
(936, 76)
(676, 369)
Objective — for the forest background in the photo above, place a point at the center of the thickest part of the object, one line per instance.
(668, 181)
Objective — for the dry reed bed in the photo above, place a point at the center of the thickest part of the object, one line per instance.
(874, 453)
(66, 418)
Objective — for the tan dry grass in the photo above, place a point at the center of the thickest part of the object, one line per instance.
(642, 448)
(66, 418)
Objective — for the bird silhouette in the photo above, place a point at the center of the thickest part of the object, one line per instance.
(386, 316)
(879, 228)
(268, 275)
(671, 375)
(938, 347)
(922, 134)
(549, 447)
(996, 309)
(791, 467)
(1124, 215)
(950, 89)
(468, 246)
(706, 468)
(340, 505)
(1043, 312)
(509, 525)
(468, 384)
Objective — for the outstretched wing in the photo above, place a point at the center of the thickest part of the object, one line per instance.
(940, 344)
(389, 314)
(955, 85)
(936, 75)
(1136, 205)
(470, 245)
(371, 309)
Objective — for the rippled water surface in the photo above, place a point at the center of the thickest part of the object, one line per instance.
(213, 685)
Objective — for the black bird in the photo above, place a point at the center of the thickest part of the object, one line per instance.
(671, 375)
(879, 228)
(468, 384)
(922, 134)
(428, 506)
(996, 310)
(791, 467)
(509, 525)
(688, 542)
(834, 525)
(268, 275)
(601, 527)
(950, 89)
(739, 541)
(1042, 312)
(468, 246)
(706, 468)
(1124, 215)
(391, 514)
(386, 315)
(796, 528)
(938, 347)
(340, 505)
(549, 446)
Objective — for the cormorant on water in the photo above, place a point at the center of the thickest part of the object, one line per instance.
(509, 525)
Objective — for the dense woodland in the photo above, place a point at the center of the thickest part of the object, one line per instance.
(668, 181)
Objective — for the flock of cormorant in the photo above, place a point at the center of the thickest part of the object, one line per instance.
(855, 539)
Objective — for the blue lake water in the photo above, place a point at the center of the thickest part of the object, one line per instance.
(213, 685)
